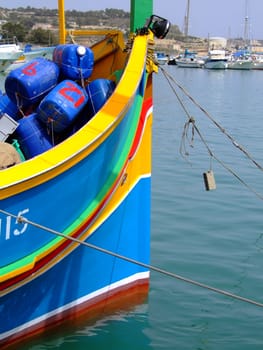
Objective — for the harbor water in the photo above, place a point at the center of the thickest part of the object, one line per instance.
(212, 237)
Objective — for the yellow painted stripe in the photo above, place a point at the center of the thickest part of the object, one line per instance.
(57, 160)
(138, 167)
(97, 130)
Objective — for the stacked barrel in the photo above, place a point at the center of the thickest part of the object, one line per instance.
(51, 99)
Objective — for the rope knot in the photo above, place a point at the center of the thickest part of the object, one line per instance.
(20, 219)
(190, 124)
(191, 120)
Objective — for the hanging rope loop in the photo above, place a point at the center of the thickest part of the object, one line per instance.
(183, 149)
(189, 127)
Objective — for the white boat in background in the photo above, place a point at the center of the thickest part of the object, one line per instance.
(257, 62)
(29, 53)
(240, 59)
(189, 60)
(9, 53)
(33, 52)
(216, 59)
(161, 58)
(241, 64)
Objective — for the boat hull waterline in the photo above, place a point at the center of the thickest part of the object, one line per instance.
(107, 203)
(76, 188)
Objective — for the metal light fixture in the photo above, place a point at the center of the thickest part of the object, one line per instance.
(159, 26)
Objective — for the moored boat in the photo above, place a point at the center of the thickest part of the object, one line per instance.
(75, 192)
(240, 60)
(257, 62)
(189, 60)
(216, 59)
(28, 54)
(161, 58)
(10, 51)
(240, 64)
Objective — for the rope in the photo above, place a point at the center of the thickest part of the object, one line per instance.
(191, 121)
(21, 219)
(189, 124)
(234, 142)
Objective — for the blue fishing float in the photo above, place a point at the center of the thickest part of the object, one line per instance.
(99, 91)
(28, 84)
(32, 136)
(75, 61)
(60, 108)
(9, 107)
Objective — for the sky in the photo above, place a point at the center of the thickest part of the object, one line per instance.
(224, 18)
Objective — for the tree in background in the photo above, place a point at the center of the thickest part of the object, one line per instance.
(11, 30)
(42, 37)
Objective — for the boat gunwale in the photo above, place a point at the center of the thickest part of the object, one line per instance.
(63, 156)
(59, 241)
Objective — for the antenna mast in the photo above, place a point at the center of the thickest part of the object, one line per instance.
(186, 19)
(246, 25)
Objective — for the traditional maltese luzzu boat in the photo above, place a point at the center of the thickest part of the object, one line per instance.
(75, 178)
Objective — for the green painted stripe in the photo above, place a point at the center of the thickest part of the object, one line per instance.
(94, 204)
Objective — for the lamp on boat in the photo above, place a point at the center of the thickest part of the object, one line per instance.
(159, 26)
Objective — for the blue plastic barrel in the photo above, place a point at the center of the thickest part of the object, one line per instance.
(99, 91)
(75, 61)
(28, 84)
(62, 105)
(32, 136)
(9, 107)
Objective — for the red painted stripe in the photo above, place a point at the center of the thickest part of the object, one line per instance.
(48, 258)
(145, 108)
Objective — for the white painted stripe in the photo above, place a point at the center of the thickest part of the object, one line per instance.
(123, 282)
(94, 228)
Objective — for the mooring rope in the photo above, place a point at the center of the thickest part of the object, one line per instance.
(223, 130)
(192, 121)
(21, 219)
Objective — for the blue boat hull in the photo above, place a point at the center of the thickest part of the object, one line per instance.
(70, 284)
(93, 188)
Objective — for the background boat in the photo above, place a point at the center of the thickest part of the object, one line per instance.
(161, 58)
(257, 62)
(28, 54)
(240, 59)
(189, 60)
(216, 59)
(10, 51)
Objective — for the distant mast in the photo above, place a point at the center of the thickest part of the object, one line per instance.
(186, 19)
(246, 29)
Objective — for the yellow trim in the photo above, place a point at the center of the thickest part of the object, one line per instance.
(137, 167)
(60, 158)
(61, 14)
(87, 32)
